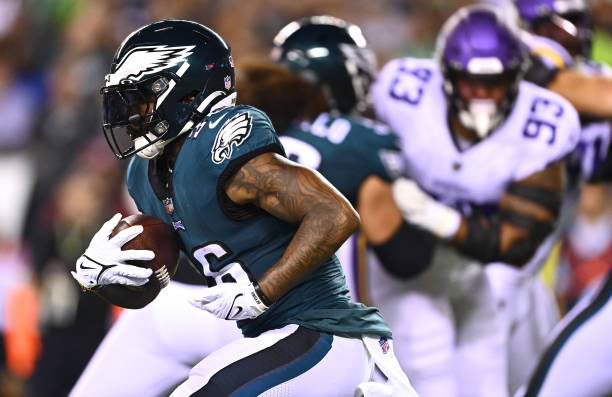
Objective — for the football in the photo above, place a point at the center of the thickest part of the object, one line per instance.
(158, 237)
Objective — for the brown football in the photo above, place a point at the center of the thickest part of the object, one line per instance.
(158, 237)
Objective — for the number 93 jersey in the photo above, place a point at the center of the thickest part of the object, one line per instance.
(549, 58)
(231, 243)
(541, 128)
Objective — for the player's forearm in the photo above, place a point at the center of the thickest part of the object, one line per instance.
(590, 95)
(298, 195)
(320, 234)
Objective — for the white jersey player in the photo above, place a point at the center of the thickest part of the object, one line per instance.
(486, 151)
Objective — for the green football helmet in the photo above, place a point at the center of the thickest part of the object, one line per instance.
(165, 77)
(331, 53)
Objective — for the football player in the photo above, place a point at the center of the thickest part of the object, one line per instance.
(261, 229)
(321, 126)
(486, 151)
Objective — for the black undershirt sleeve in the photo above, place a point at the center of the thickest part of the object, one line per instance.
(408, 252)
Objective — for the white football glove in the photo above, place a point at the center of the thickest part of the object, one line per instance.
(230, 301)
(420, 209)
(103, 262)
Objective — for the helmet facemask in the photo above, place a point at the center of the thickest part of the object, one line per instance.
(131, 122)
(360, 64)
(480, 116)
(481, 113)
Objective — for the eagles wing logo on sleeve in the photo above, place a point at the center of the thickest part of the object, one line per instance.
(147, 60)
(235, 131)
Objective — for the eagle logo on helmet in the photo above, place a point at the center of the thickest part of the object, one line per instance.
(234, 132)
(147, 60)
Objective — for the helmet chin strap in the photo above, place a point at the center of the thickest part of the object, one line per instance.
(151, 151)
(481, 116)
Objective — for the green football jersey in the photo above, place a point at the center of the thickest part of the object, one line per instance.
(231, 243)
(346, 150)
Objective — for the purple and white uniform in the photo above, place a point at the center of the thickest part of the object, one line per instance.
(449, 334)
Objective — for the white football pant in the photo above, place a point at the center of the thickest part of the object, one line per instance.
(150, 351)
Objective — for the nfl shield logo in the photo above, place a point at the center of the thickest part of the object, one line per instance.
(169, 205)
(384, 345)
(228, 82)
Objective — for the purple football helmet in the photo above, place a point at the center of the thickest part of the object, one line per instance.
(568, 22)
(479, 42)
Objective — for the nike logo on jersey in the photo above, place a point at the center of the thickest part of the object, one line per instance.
(213, 124)
(238, 309)
(233, 133)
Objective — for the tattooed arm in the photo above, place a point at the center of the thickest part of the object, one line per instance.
(298, 194)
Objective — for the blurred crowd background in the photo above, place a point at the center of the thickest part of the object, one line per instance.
(59, 181)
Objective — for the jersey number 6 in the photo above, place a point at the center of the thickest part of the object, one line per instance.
(234, 272)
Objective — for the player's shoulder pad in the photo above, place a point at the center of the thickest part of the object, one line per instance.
(552, 54)
(373, 133)
(394, 66)
(377, 145)
(550, 108)
(237, 130)
(403, 73)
